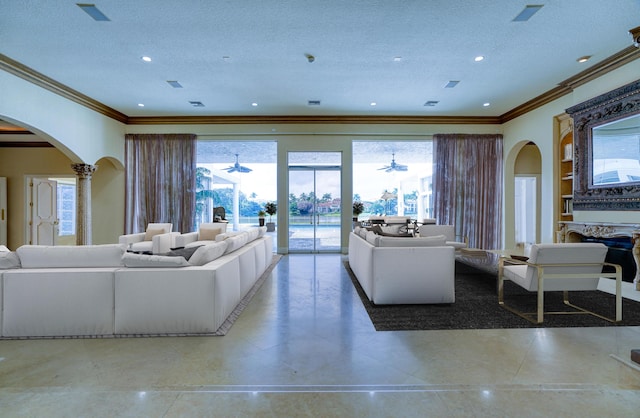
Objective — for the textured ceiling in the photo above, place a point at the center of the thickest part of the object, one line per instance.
(228, 54)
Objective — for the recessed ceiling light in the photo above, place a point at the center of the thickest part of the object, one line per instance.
(478, 58)
(175, 84)
(140, 104)
(196, 104)
(226, 58)
(374, 104)
(146, 58)
(397, 59)
(487, 104)
(451, 84)
(254, 104)
(584, 59)
(430, 103)
(313, 102)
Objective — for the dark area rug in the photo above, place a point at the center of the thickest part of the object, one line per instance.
(476, 307)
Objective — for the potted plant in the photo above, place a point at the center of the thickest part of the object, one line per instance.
(261, 215)
(271, 209)
(358, 208)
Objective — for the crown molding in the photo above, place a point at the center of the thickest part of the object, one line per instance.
(41, 80)
(335, 119)
(565, 87)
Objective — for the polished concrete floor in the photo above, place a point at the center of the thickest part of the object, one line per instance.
(305, 347)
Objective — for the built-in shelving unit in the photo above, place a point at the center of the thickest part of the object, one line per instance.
(565, 170)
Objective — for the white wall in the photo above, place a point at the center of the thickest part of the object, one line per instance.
(538, 126)
(83, 135)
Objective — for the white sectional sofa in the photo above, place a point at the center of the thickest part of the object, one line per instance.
(403, 270)
(102, 290)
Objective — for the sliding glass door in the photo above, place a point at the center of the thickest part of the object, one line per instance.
(314, 201)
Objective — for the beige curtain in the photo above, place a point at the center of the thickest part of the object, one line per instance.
(160, 181)
(467, 186)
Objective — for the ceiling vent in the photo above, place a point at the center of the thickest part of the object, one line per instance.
(313, 103)
(174, 84)
(94, 12)
(196, 104)
(431, 103)
(451, 84)
(528, 12)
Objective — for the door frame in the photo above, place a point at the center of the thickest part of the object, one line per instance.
(314, 169)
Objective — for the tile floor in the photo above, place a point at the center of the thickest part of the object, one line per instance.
(305, 347)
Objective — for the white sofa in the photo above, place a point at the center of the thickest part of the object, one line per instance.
(393, 270)
(102, 290)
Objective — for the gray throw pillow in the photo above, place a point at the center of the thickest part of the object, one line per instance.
(183, 252)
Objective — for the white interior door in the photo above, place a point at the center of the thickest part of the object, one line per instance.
(3, 211)
(44, 218)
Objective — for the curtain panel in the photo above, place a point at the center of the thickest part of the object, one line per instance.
(467, 186)
(160, 181)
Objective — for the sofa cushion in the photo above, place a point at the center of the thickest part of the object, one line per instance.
(236, 242)
(435, 241)
(147, 260)
(43, 256)
(8, 259)
(373, 238)
(208, 253)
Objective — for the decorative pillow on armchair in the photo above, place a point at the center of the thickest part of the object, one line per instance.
(206, 233)
(152, 232)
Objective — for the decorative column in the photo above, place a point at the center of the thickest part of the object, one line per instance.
(83, 202)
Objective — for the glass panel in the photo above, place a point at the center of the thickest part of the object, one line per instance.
(66, 206)
(616, 152)
(314, 202)
(240, 176)
(393, 178)
(525, 208)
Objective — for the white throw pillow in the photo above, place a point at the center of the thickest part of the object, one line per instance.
(145, 260)
(208, 253)
(8, 259)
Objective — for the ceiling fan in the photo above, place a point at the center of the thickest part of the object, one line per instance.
(237, 167)
(394, 166)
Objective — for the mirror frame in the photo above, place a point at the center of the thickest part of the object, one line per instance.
(617, 104)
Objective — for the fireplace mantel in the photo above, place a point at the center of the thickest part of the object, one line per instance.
(574, 231)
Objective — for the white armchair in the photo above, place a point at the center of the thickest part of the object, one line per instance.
(561, 266)
(157, 239)
(206, 233)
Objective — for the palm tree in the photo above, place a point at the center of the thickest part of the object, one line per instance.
(203, 194)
